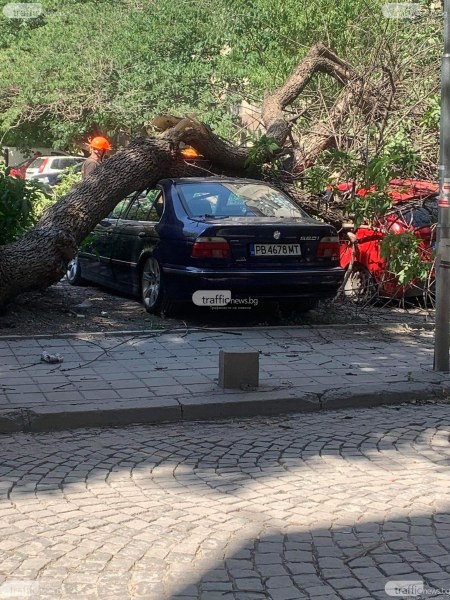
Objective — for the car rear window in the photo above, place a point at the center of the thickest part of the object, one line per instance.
(247, 199)
(422, 216)
(37, 162)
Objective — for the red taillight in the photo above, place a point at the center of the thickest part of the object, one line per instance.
(211, 247)
(44, 164)
(328, 248)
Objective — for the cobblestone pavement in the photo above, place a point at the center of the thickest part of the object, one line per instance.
(314, 506)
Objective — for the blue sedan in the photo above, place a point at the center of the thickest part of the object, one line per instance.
(212, 241)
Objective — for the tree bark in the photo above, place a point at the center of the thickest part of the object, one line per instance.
(359, 93)
(40, 257)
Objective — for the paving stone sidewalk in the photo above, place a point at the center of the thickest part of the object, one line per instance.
(172, 375)
(342, 505)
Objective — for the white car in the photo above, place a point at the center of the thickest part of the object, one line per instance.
(52, 164)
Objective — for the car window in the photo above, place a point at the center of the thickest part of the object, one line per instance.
(64, 163)
(54, 163)
(119, 208)
(421, 216)
(236, 199)
(140, 210)
(37, 162)
(157, 208)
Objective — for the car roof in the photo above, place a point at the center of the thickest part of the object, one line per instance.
(63, 156)
(217, 179)
(57, 157)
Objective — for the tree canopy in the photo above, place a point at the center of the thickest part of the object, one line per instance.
(112, 65)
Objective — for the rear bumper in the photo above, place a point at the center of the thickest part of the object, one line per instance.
(263, 283)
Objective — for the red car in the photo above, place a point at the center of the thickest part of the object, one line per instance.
(20, 169)
(414, 208)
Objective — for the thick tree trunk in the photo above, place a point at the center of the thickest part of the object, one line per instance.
(41, 256)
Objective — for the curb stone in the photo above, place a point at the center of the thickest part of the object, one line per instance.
(249, 405)
(49, 418)
(364, 327)
(57, 417)
(376, 395)
(12, 421)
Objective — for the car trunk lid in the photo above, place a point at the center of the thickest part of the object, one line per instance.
(265, 242)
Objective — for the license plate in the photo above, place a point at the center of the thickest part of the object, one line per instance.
(275, 250)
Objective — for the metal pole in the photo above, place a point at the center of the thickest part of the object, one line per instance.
(441, 343)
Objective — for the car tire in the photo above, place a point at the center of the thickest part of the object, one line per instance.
(154, 295)
(359, 285)
(73, 273)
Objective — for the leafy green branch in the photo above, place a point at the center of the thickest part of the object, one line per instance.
(404, 258)
(369, 208)
(262, 151)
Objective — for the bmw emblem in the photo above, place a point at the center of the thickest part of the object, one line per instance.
(276, 235)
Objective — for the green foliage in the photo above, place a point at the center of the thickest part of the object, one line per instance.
(262, 151)
(403, 256)
(376, 175)
(369, 208)
(109, 66)
(68, 180)
(403, 253)
(373, 175)
(432, 114)
(400, 153)
(42, 203)
(316, 179)
(21, 202)
(347, 164)
(268, 38)
(113, 65)
(379, 171)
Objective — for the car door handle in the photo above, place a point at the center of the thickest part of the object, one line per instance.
(141, 234)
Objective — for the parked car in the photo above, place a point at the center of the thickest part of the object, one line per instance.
(414, 209)
(20, 169)
(219, 234)
(46, 165)
(49, 180)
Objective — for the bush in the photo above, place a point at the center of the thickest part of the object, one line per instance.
(68, 180)
(21, 204)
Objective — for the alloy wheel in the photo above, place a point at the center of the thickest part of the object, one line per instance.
(151, 284)
(73, 272)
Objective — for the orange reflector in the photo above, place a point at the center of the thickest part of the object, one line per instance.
(189, 152)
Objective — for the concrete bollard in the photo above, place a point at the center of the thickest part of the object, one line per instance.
(238, 370)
